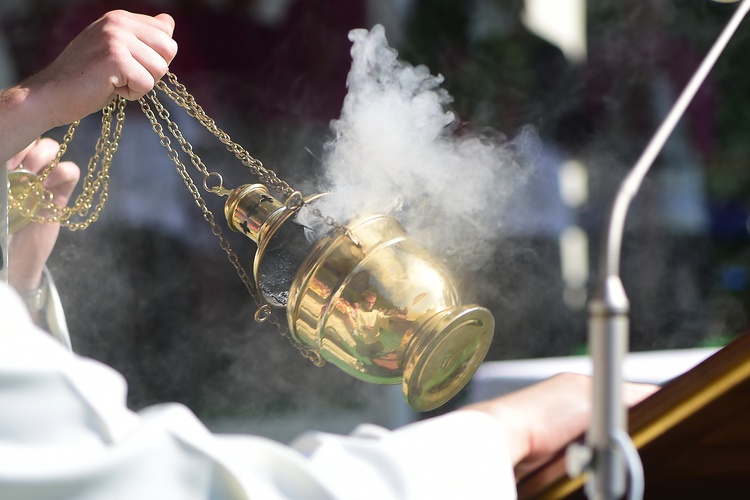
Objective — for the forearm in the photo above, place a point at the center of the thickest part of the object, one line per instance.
(120, 53)
(23, 118)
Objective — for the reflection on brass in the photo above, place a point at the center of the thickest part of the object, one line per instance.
(252, 211)
(367, 297)
(381, 308)
(20, 181)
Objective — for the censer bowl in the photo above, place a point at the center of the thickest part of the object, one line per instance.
(367, 297)
(381, 308)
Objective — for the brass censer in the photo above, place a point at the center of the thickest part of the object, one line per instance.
(362, 295)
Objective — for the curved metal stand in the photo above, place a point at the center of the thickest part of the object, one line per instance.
(609, 308)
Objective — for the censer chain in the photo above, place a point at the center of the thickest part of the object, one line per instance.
(264, 312)
(96, 180)
(180, 95)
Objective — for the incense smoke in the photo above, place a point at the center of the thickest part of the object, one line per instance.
(396, 150)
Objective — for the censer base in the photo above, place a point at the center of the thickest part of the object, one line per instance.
(444, 354)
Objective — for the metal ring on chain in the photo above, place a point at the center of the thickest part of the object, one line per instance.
(263, 313)
(219, 188)
(294, 201)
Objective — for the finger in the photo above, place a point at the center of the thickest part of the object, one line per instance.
(136, 83)
(155, 35)
(168, 21)
(140, 67)
(40, 154)
(163, 21)
(162, 46)
(62, 181)
(17, 160)
(156, 40)
(157, 32)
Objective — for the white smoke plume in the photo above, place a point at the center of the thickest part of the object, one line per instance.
(395, 150)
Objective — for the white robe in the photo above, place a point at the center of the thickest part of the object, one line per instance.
(65, 433)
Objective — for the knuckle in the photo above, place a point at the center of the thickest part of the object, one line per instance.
(116, 17)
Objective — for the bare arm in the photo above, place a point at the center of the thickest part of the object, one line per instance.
(120, 53)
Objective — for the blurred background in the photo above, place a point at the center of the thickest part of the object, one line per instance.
(148, 290)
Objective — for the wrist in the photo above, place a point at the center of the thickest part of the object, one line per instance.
(17, 104)
(39, 98)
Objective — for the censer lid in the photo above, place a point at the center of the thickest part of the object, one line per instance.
(445, 354)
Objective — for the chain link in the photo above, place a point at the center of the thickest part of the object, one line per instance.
(95, 182)
(180, 95)
(184, 99)
(264, 312)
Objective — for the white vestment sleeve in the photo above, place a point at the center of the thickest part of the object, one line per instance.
(65, 433)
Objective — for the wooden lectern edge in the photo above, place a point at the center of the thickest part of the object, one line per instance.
(652, 417)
